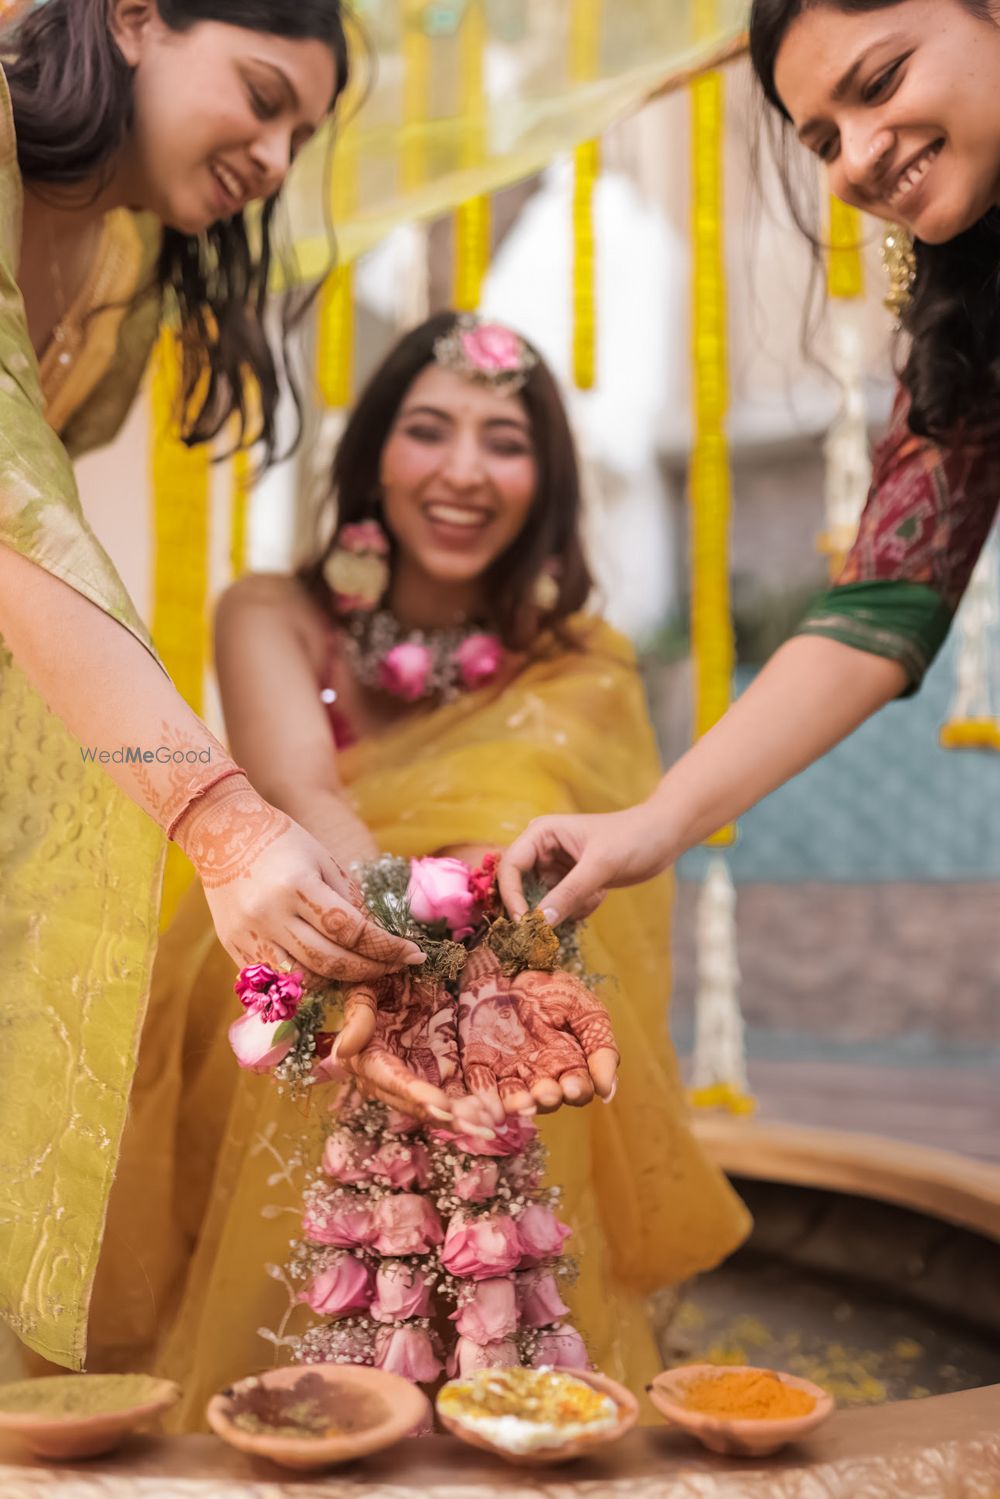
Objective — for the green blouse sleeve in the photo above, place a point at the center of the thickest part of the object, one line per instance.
(928, 515)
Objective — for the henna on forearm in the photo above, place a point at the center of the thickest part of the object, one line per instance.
(223, 832)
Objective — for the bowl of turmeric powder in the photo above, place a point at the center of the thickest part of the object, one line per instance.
(740, 1411)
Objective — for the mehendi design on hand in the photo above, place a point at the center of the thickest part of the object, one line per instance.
(224, 833)
(414, 1051)
(176, 784)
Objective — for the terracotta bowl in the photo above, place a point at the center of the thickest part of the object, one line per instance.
(628, 1415)
(72, 1435)
(377, 1409)
(734, 1437)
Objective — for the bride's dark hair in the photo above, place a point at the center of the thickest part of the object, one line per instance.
(952, 365)
(71, 92)
(552, 530)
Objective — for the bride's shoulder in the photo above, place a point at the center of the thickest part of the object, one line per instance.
(276, 597)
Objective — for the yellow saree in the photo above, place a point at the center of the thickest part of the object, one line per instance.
(210, 1188)
(78, 862)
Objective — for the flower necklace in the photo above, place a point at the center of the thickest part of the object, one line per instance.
(415, 664)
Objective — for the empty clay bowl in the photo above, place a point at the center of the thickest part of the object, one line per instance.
(46, 1415)
(579, 1446)
(732, 1436)
(317, 1415)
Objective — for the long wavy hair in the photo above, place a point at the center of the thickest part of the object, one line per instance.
(951, 364)
(72, 97)
(552, 530)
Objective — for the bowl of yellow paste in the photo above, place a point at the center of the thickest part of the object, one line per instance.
(530, 1416)
(81, 1415)
(740, 1411)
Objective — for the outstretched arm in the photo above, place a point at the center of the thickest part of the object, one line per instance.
(811, 694)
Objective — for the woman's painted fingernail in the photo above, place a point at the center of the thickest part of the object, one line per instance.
(483, 1131)
(527, 1113)
(551, 915)
(418, 958)
(614, 1090)
(441, 1114)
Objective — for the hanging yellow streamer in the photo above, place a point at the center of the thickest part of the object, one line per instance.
(335, 338)
(472, 219)
(239, 520)
(584, 64)
(845, 271)
(181, 489)
(416, 50)
(710, 483)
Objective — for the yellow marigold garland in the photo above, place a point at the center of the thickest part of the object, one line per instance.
(472, 219)
(181, 495)
(584, 64)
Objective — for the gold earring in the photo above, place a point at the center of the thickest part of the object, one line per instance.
(900, 260)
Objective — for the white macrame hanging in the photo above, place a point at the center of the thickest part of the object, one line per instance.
(719, 1073)
(846, 450)
(974, 717)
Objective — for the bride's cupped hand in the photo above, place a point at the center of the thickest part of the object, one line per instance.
(277, 896)
(579, 858)
(399, 1045)
(534, 1042)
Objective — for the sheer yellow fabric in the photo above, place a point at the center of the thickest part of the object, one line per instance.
(209, 1192)
(406, 142)
(78, 862)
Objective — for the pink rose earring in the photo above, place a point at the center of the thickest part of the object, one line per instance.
(357, 570)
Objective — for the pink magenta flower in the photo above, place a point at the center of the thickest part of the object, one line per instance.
(346, 1222)
(492, 348)
(540, 1234)
(400, 1164)
(405, 670)
(466, 1357)
(439, 891)
(491, 1315)
(512, 1138)
(407, 1351)
(480, 1248)
(406, 1223)
(478, 659)
(477, 1183)
(347, 1158)
(344, 1286)
(562, 1346)
(261, 1044)
(538, 1299)
(364, 536)
(401, 1291)
(266, 992)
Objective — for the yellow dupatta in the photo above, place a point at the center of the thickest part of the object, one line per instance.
(572, 734)
(79, 863)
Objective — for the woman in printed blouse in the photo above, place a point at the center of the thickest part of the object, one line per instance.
(898, 99)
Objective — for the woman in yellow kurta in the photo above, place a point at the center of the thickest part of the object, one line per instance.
(133, 135)
(341, 722)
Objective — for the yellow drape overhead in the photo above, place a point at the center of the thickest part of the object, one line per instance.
(534, 106)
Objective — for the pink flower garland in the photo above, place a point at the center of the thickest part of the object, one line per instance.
(403, 1222)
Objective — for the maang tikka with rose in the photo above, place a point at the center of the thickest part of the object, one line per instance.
(413, 1223)
(416, 664)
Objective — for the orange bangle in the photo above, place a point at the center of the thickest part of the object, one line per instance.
(224, 775)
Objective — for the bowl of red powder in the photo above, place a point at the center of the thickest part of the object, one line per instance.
(740, 1411)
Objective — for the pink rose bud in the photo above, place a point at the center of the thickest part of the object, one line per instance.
(401, 1165)
(511, 1139)
(479, 1248)
(344, 1286)
(491, 1315)
(439, 891)
(406, 1223)
(477, 1183)
(478, 658)
(346, 1157)
(407, 1351)
(538, 1298)
(265, 992)
(261, 1044)
(541, 1235)
(492, 348)
(562, 1346)
(401, 1291)
(346, 1222)
(405, 670)
(466, 1357)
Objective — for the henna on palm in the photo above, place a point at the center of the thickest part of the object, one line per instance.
(516, 1033)
(413, 1054)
